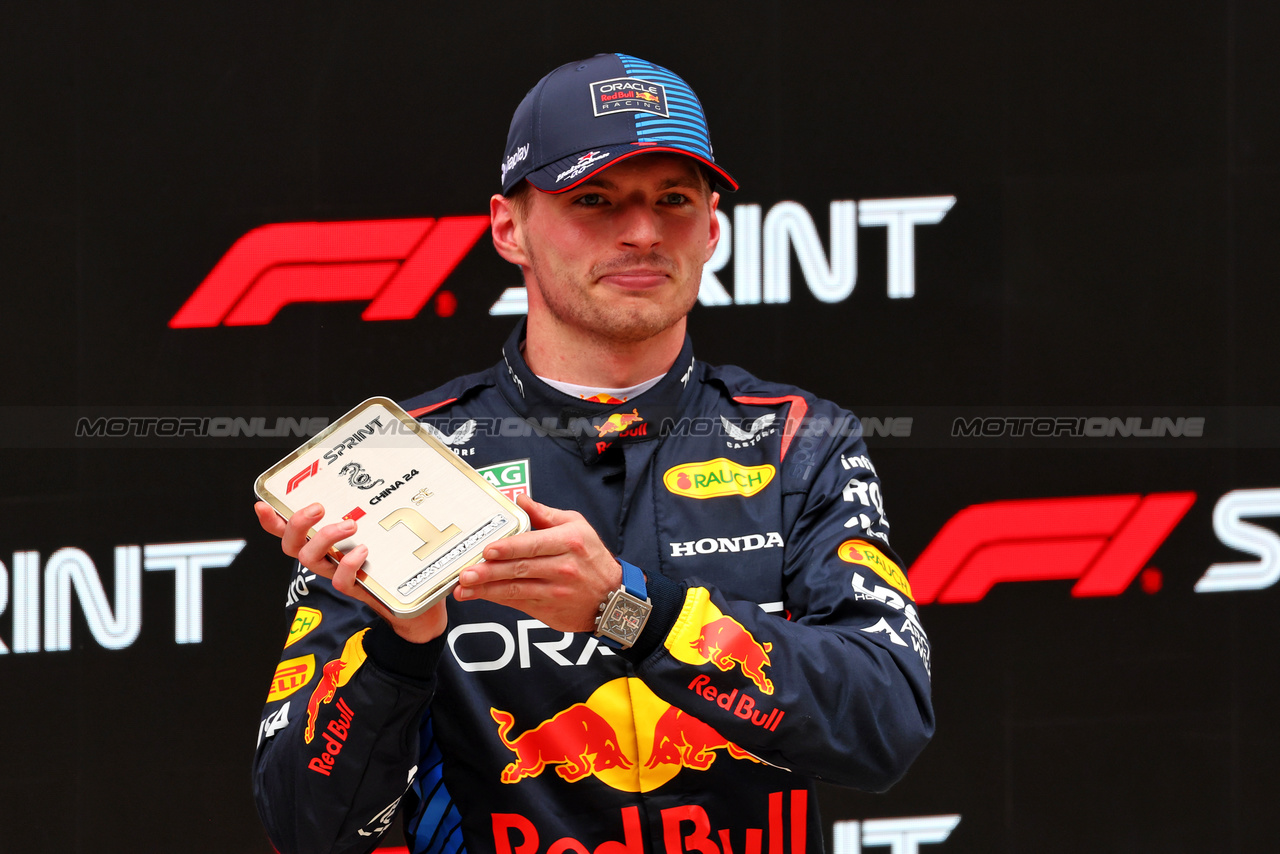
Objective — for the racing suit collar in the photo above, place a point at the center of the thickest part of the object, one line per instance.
(594, 427)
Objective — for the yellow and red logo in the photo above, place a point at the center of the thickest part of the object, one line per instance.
(623, 735)
(291, 675)
(618, 422)
(715, 478)
(335, 675)
(304, 622)
(704, 634)
(864, 554)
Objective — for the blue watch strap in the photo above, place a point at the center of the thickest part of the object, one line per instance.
(633, 580)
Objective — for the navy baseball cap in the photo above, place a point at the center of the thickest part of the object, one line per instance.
(586, 116)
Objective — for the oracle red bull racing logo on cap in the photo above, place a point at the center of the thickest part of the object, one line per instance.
(704, 635)
(716, 478)
(623, 735)
(628, 94)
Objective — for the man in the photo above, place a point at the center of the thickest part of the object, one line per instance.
(767, 634)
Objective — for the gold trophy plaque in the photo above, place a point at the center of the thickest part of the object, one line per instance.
(423, 513)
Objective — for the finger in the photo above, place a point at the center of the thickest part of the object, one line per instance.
(547, 542)
(346, 571)
(544, 515)
(529, 568)
(295, 533)
(271, 521)
(515, 592)
(552, 604)
(345, 580)
(318, 547)
(488, 572)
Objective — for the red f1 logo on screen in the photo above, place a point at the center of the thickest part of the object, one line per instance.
(1104, 541)
(398, 265)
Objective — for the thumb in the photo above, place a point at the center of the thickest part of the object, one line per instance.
(542, 515)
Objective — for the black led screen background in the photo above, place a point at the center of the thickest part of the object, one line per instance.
(1113, 168)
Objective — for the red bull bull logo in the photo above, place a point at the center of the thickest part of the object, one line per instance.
(726, 644)
(623, 735)
(682, 739)
(578, 741)
(618, 422)
(335, 675)
(705, 635)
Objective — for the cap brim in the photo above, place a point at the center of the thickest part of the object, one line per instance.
(568, 172)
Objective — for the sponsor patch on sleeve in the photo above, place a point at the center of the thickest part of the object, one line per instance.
(704, 635)
(864, 554)
(291, 675)
(304, 621)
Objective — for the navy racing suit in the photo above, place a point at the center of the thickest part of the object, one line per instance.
(783, 644)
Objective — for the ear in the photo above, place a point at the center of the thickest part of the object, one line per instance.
(714, 228)
(506, 231)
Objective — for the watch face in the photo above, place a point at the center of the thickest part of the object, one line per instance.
(624, 617)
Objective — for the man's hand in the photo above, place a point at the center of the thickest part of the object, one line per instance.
(558, 573)
(313, 554)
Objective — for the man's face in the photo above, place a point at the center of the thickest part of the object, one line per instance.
(620, 255)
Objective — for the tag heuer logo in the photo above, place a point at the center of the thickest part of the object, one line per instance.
(510, 478)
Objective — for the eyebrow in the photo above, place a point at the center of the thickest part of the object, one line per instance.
(605, 184)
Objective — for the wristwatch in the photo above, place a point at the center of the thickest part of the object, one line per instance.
(623, 615)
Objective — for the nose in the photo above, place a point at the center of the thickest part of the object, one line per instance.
(639, 227)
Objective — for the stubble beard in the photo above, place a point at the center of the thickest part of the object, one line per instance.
(632, 319)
